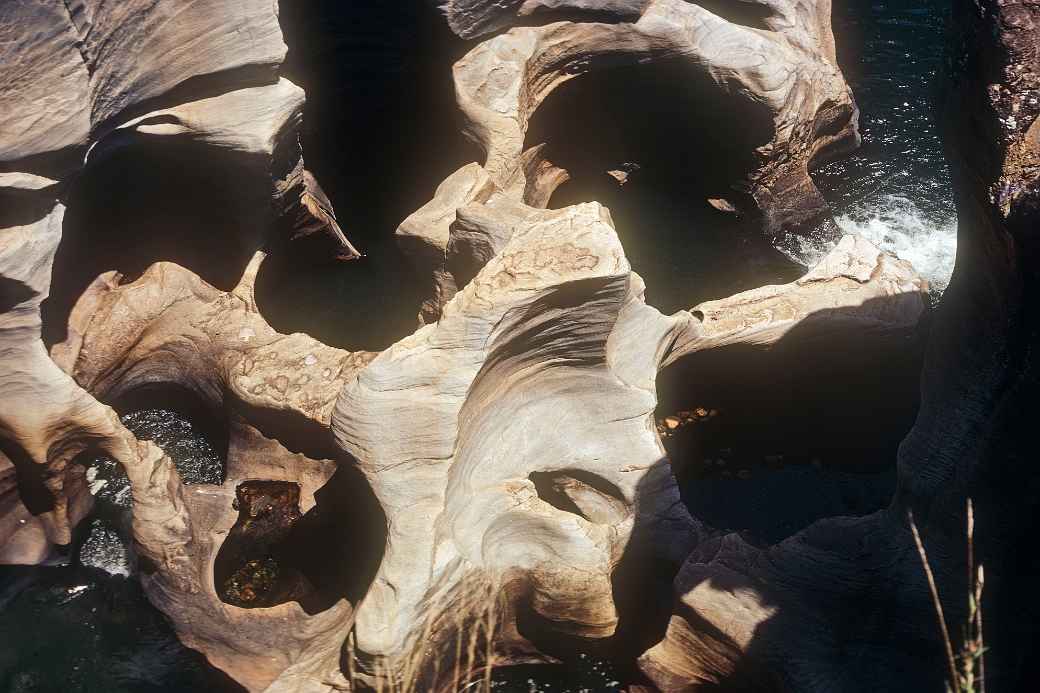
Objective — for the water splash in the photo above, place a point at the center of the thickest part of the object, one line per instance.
(104, 548)
(897, 225)
(195, 458)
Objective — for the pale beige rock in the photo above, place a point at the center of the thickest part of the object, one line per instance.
(47, 419)
(855, 286)
(171, 328)
(79, 82)
(548, 324)
(830, 603)
(510, 442)
(533, 337)
(788, 70)
(44, 87)
(138, 54)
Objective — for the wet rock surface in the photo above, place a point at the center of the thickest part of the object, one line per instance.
(250, 571)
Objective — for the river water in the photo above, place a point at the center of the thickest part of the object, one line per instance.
(86, 626)
(895, 189)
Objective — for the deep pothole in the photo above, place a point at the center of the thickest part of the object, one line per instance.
(768, 442)
(185, 429)
(617, 132)
(276, 552)
(252, 569)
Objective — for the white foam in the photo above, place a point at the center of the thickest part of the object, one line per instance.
(105, 549)
(898, 226)
(895, 224)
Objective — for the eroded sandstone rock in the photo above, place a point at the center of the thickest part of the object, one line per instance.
(843, 605)
(483, 486)
(784, 71)
(544, 320)
(86, 81)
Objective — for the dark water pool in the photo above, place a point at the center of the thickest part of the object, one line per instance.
(86, 626)
(895, 190)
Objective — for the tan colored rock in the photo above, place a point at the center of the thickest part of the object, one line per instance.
(46, 114)
(508, 445)
(826, 606)
(546, 322)
(856, 284)
(170, 328)
(787, 72)
(80, 82)
(535, 336)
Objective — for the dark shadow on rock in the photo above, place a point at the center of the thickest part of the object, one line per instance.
(807, 429)
(32, 491)
(275, 554)
(151, 201)
(658, 193)
(380, 132)
(839, 601)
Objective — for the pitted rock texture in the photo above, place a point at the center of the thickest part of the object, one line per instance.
(543, 320)
(82, 82)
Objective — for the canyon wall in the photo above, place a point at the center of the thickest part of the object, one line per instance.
(494, 483)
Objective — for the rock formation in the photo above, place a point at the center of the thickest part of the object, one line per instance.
(487, 488)
(777, 59)
(785, 617)
(552, 327)
(94, 79)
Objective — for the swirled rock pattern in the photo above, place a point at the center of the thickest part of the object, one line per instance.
(552, 328)
(786, 617)
(487, 488)
(782, 70)
(83, 81)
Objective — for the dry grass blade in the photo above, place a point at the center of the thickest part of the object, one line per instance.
(963, 679)
(471, 614)
(950, 662)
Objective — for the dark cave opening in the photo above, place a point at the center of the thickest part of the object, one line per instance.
(769, 441)
(275, 553)
(648, 166)
(152, 201)
(380, 132)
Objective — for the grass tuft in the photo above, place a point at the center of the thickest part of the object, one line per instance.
(967, 668)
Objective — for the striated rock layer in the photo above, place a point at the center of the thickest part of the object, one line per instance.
(90, 81)
(489, 489)
(843, 605)
(776, 59)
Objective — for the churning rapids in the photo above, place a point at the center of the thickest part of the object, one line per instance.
(85, 626)
(895, 190)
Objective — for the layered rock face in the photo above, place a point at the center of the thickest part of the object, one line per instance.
(488, 489)
(843, 605)
(88, 82)
(776, 59)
